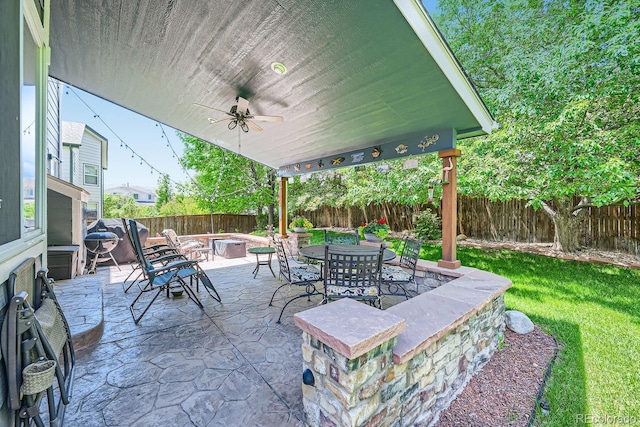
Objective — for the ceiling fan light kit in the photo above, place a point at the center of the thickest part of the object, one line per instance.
(239, 114)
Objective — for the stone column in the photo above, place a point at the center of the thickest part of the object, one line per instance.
(297, 241)
(347, 351)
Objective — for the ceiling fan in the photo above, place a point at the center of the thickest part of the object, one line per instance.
(239, 115)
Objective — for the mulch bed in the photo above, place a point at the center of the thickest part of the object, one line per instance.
(504, 392)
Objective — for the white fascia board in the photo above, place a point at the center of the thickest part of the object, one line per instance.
(426, 30)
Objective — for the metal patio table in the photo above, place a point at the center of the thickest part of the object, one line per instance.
(262, 250)
(317, 251)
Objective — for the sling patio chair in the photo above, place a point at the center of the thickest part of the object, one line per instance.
(188, 247)
(157, 254)
(302, 275)
(169, 277)
(352, 272)
(37, 349)
(332, 238)
(397, 278)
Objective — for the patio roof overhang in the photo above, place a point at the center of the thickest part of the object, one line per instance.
(360, 74)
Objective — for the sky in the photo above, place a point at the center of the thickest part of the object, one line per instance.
(118, 125)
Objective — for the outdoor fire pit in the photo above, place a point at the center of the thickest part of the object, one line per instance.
(101, 244)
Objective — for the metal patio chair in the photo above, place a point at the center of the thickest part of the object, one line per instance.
(397, 278)
(157, 254)
(174, 276)
(353, 273)
(301, 275)
(37, 348)
(341, 238)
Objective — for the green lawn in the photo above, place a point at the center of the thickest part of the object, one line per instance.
(592, 310)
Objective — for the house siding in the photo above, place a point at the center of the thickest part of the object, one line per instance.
(10, 187)
(71, 167)
(91, 154)
(54, 166)
(17, 245)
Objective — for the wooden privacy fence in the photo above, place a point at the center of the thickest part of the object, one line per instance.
(608, 228)
(200, 224)
(398, 216)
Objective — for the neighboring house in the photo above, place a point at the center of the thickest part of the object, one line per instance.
(142, 195)
(54, 124)
(84, 158)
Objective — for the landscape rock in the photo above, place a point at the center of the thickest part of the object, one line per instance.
(461, 237)
(518, 322)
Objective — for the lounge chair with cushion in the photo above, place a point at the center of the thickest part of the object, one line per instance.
(188, 247)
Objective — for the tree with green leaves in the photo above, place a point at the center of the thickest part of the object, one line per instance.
(365, 185)
(164, 191)
(121, 206)
(182, 204)
(229, 183)
(563, 79)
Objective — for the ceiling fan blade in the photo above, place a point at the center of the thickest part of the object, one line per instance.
(253, 125)
(243, 105)
(215, 122)
(267, 118)
(210, 108)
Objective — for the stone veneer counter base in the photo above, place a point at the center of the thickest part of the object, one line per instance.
(349, 329)
(402, 366)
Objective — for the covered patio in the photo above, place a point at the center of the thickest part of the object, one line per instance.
(230, 364)
(353, 83)
(329, 85)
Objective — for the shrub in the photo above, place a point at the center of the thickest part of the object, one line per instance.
(428, 225)
(301, 222)
(379, 227)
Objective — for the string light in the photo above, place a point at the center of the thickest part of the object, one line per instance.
(27, 130)
(122, 143)
(201, 191)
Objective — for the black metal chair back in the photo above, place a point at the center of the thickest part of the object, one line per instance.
(350, 273)
(410, 255)
(341, 238)
(396, 278)
(283, 260)
(304, 275)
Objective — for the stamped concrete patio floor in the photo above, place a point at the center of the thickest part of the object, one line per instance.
(229, 365)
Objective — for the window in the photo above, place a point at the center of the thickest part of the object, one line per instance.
(135, 196)
(29, 131)
(90, 175)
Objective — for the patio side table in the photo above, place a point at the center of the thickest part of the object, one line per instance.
(263, 250)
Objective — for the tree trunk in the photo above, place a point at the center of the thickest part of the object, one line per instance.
(566, 232)
(270, 214)
(566, 223)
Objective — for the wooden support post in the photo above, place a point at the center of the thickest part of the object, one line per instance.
(449, 207)
(282, 218)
